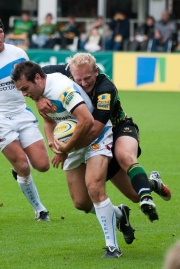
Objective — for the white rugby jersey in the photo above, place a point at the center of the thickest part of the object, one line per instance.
(12, 101)
(65, 95)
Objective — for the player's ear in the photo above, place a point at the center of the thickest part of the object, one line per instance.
(96, 71)
(37, 77)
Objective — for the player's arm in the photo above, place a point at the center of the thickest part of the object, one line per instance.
(60, 68)
(83, 127)
(101, 116)
(49, 125)
(94, 133)
(44, 106)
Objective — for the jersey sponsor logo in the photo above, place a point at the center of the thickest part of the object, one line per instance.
(104, 101)
(95, 146)
(62, 118)
(127, 130)
(7, 86)
(67, 96)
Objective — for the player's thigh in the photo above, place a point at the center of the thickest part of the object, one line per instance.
(16, 156)
(38, 155)
(123, 184)
(126, 150)
(77, 188)
(34, 146)
(8, 133)
(97, 157)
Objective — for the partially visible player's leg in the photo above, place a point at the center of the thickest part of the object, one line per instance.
(96, 171)
(38, 156)
(33, 144)
(77, 188)
(123, 184)
(158, 186)
(16, 156)
(125, 150)
(81, 191)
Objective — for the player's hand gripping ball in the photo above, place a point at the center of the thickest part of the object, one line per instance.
(64, 130)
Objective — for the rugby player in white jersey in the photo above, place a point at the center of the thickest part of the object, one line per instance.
(81, 166)
(19, 133)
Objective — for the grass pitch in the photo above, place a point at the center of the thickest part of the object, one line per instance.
(76, 240)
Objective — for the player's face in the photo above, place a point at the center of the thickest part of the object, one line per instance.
(1, 40)
(30, 89)
(85, 76)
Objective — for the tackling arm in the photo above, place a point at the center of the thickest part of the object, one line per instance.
(94, 133)
(83, 127)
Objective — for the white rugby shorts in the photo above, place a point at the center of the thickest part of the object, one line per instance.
(100, 146)
(22, 127)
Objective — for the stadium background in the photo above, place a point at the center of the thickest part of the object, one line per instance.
(146, 71)
(73, 239)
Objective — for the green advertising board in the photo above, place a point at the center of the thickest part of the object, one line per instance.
(51, 57)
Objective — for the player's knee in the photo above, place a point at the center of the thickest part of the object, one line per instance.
(22, 169)
(127, 160)
(42, 167)
(81, 206)
(94, 187)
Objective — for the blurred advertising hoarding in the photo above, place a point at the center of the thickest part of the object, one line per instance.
(147, 71)
(51, 57)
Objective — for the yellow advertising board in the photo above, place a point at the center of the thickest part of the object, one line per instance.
(147, 71)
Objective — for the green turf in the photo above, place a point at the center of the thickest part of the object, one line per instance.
(77, 240)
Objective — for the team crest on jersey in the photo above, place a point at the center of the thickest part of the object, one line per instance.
(54, 107)
(127, 130)
(67, 96)
(95, 146)
(104, 101)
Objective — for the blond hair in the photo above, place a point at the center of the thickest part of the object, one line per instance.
(172, 260)
(80, 59)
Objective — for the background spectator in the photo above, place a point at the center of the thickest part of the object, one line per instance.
(120, 29)
(24, 25)
(104, 30)
(44, 37)
(22, 31)
(68, 32)
(93, 42)
(165, 33)
(143, 34)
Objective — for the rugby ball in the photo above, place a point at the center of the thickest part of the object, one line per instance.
(64, 130)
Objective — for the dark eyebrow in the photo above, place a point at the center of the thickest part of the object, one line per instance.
(24, 88)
